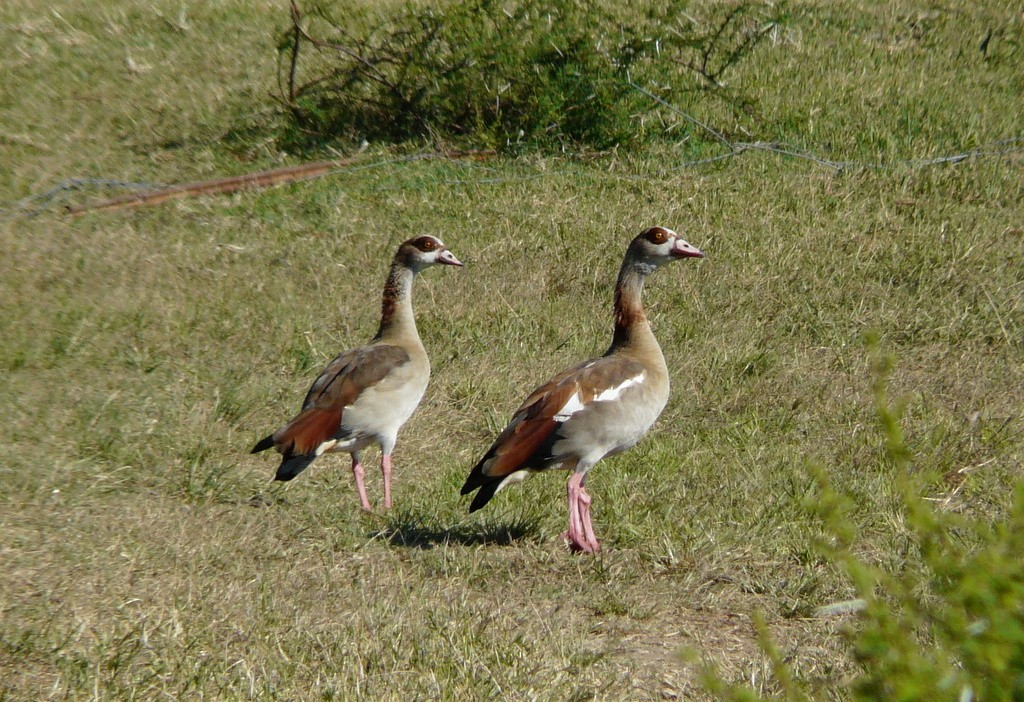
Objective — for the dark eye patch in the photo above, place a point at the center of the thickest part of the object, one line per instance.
(425, 243)
(657, 235)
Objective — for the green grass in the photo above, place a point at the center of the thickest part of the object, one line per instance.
(144, 553)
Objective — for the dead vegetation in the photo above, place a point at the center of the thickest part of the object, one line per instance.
(144, 554)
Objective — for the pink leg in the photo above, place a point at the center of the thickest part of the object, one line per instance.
(574, 513)
(385, 467)
(576, 534)
(588, 528)
(357, 471)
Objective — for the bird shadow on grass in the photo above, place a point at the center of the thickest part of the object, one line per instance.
(414, 531)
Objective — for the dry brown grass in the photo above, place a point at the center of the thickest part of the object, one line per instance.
(143, 552)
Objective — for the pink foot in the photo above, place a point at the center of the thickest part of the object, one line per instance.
(578, 546)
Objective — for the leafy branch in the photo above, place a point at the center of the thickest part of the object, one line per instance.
(546, 72)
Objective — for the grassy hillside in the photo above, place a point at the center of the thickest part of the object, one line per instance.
(145, 554)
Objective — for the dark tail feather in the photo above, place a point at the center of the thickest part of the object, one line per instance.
(488, 484)
(293, 465)
(476, 477)
(487, 491)
(263, 444)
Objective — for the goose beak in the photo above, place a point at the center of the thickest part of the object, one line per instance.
(683, 249)
(448, 258)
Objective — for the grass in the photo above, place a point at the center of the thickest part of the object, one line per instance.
(144, 553)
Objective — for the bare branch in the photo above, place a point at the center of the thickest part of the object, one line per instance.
(297, 28)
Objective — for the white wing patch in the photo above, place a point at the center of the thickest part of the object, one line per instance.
(613, 393)
(326, 446)
(574, 405)
(571, 407)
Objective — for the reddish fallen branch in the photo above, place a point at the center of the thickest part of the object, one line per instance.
(249, 181)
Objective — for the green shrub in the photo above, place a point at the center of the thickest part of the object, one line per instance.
(547, 73)
(950, 624)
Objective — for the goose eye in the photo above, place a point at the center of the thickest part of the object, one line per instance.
(427, 244)
(657, 236)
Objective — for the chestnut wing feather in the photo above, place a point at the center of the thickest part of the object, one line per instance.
(351, 373)
(528, 440)
(338, 386)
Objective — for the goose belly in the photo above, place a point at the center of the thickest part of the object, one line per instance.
(382, 411)
(605, 428)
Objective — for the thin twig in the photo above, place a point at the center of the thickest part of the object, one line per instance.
(750, 41)
(372, 73)
(711, 45)
(676, 110)
(296, 20)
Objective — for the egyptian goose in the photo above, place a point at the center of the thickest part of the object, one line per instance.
(595, 409)
(364, 396)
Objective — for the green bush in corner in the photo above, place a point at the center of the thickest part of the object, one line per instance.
(949, 625)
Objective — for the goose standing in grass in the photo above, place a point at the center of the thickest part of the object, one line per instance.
(364, 396)
(595, 409)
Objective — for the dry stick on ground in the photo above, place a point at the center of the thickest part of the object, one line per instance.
(250, 181)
